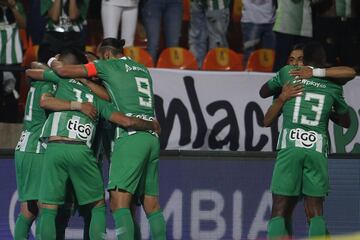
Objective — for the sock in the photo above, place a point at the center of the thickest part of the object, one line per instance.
(157, 225)
(288, 226)
(47, 221)
(137, 231)
(98, 223)
(22, 227)
(276, 228)
(124, 224)
(317, 227)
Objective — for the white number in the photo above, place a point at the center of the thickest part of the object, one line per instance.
(143, 86)
(315, 108)
(78, 95)
(28, 115)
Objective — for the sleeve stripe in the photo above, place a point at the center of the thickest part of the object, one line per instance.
(90, 69)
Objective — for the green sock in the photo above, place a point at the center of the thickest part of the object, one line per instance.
(22, 227)
(157, 225)
(98, 223)
(276, 228)
(47, 221)
(124, 224)
(317, 227)
(137, 231)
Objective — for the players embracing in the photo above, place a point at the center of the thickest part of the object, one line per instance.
(301, 168)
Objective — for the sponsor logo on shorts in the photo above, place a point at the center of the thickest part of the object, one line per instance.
(306, 138)
(83, 131)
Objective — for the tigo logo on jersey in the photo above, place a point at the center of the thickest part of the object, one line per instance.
(306, 138)
(82, 131)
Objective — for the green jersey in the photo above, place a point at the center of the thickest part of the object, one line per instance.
(34, 118)
(130, 87)
(306, 117)
(65, 24)
(11, 51)
(73, 124)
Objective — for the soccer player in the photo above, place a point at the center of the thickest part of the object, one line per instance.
(301, 163)
(68, 155)
(29, 154)
(135, 158)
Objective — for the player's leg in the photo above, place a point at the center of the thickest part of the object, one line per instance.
(315, 188)
(137, 231)
(28, 177)
(65, 211)
(28, 213)
(129, 158)
(85, 213)
(288, 166)
(120, 206)
(151, 192)
(52, 188)
(314, 215)
(48, 214)
(88, 185)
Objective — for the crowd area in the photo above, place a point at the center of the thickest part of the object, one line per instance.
(40, 29)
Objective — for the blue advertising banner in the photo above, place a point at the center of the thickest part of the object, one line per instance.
(215, 198)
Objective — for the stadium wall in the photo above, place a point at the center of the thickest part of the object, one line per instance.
(216, 195)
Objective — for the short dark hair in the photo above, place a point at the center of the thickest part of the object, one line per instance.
(116, 46)
(314, 54)
(79, 56)
(299, 46)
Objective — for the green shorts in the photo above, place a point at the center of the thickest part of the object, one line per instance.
(300, 171)
(134, 164)
(28, 167)
(74, 162)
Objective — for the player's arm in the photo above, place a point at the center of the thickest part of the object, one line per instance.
(37, 74)
(134, 123)
(340, 75)
(72, 71)
(266, 92)
(55, 11)
(96, 88)
(49, 102)
(288, 91)
(38, 65)
(342, 120)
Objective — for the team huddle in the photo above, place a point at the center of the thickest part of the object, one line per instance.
(51, 179)
(56, 168)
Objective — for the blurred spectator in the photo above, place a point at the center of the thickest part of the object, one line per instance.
(35, 24)
(166, 12)
(12, 18)
(209, 21)
(114, 11)
(336, 26)
(256, 23)
(293, 25)
(64, 28)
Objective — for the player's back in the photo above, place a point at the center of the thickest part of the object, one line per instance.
(129, 85)
(34, 117)
(73, 124)
(306, 117)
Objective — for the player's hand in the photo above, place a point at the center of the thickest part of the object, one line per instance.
(302, 72)
(156, 127)
(291, 90)
(89, 110)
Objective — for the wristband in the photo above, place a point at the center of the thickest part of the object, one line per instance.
(319, 72)
(75, 105)
(50, 61)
